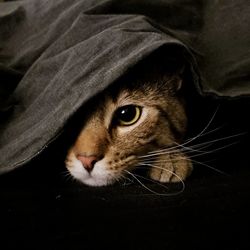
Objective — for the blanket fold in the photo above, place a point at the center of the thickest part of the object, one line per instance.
(65, 52)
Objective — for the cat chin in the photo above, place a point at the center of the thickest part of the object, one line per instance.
(92, 180)
(96, 182)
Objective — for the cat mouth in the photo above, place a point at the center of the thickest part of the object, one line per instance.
(98, 176)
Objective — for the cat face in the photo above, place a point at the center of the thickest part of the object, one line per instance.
(126, 123)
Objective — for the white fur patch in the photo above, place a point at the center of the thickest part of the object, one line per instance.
(99, 176)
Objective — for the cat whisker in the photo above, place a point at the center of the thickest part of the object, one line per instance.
(65, 172)
(202, 133)
(150, 161)
(67, 175)
(194, 148)
(211, 151)
(169, 148)
(153, 161)
(207, 133)
(143, 185)
(159, 184)
(151, 180)
(210, 167)
(216, 140)
(126, 180)
(169, 171)
(177, 146)
(161, 152)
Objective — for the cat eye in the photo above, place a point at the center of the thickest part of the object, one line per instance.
(127, 115)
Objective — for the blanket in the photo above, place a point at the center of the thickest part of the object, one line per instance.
(57, 55)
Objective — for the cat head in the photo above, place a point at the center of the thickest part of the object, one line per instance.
(133, 117)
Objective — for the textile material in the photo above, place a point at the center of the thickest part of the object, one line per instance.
(69, 51)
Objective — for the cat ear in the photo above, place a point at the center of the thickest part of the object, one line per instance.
(178, 78)
(175, 85)
(178, 84)
(171, 84)
(176, 70)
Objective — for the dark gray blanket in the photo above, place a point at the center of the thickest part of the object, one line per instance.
(68, 51)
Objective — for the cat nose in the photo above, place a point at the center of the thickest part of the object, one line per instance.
(88, 162)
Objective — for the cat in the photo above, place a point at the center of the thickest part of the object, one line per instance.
(129, 125)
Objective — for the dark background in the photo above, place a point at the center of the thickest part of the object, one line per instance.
(42, 208)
